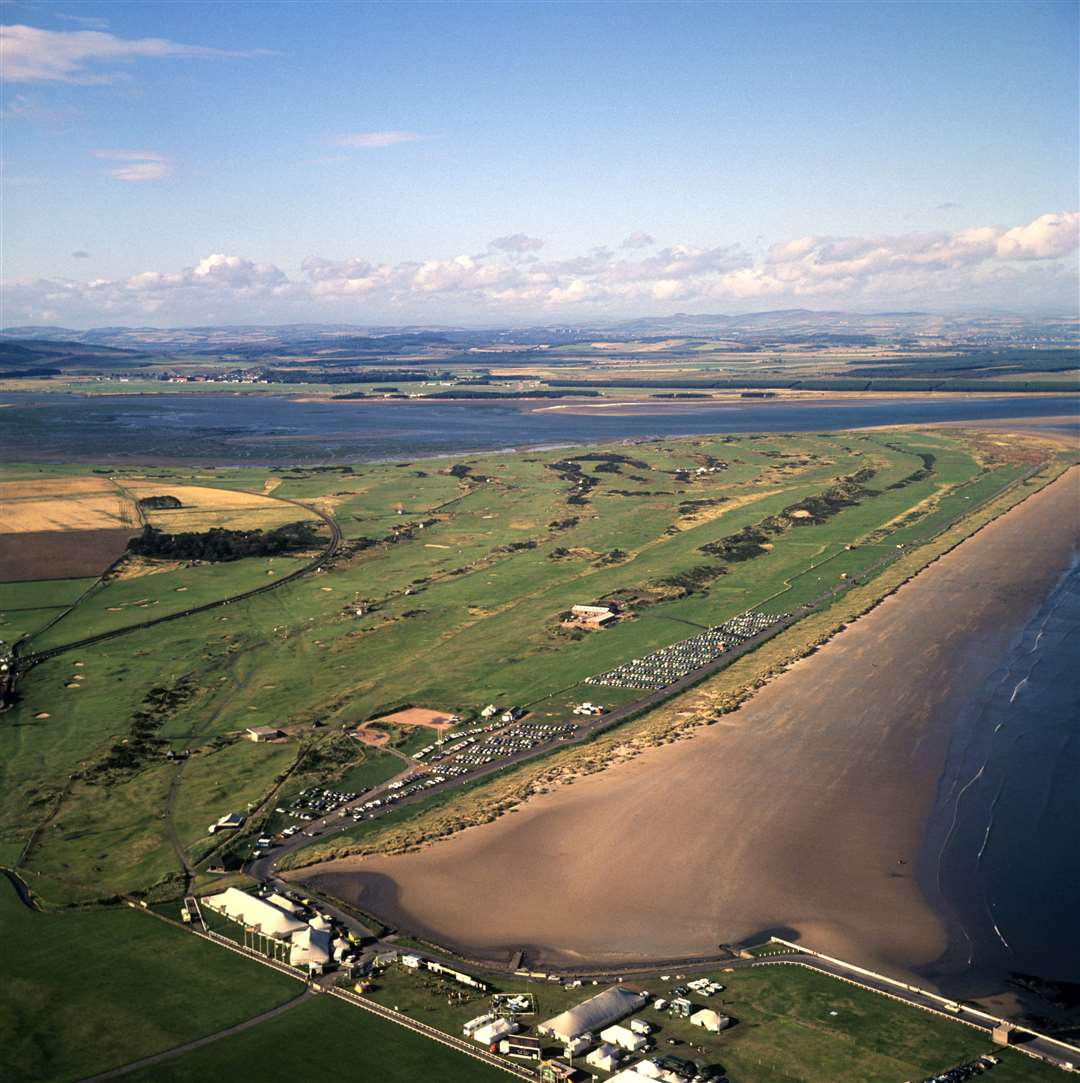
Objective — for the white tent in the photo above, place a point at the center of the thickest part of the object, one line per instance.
(285, 904)
(604, 1057)
(254, 913)
(624, 1037)
(492, 1032)
(310, 948)
(594, 1014)
(710, 1020)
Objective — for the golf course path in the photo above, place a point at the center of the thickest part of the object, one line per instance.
(198, 1043)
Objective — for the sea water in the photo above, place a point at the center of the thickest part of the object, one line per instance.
(1002, 854)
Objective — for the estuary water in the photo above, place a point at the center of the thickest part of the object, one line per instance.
(259, 429)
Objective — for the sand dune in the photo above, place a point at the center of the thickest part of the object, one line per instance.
(805, 809)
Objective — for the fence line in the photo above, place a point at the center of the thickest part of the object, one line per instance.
(458, 1045)
(948, 1007)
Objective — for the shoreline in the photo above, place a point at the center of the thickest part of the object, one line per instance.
(767, 840)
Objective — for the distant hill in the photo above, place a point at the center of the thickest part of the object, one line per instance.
(357, 343)
(35, 356)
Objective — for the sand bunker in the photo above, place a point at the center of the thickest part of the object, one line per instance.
(805, 809)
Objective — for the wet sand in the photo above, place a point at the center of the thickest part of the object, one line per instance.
(804, 810)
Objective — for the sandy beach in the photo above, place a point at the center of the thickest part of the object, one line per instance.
(804, 810)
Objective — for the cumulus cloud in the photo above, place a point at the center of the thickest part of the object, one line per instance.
(368, 140)
(138, 165)
(638, 239)
(1050, 236)
(518, 243)
(982, 264)
(29, 54)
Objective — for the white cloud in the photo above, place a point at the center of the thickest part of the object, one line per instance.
(139, 165)
(517, 242)
(29, 54)
(367, 140)
(985, 265)
(638, 239)
(1048, 237)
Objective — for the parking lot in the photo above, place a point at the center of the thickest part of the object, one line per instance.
(667, 665)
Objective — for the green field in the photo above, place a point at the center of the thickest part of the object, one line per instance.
(324, 1038)
(89, 991)
(447, 594)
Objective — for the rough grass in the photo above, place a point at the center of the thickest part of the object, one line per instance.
(323, 1039)
(84, 992)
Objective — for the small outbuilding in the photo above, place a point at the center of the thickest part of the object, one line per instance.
(231, 821)
(264, 733)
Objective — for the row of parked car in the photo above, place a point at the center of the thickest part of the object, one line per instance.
(967, 1071)
(669, 664)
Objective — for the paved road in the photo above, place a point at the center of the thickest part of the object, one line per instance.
(198, 1043)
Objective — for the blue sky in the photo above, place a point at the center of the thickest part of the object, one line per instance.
(356, 161)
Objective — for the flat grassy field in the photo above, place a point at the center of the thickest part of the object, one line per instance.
(89, 991)
(792, 1026)
(447, 595)
(323, 1039)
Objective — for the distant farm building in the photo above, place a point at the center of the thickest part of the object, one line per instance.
(264, 733)
(231, 821)
(592, 616)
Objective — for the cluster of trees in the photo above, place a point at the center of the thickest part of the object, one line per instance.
(222, 545)
(160, 503)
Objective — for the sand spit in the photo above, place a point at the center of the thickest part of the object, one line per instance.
(804, 810)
